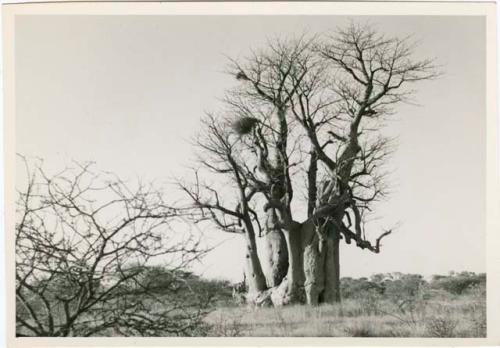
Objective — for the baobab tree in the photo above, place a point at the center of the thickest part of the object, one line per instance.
(300, 144)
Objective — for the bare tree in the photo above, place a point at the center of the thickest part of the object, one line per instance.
(84, 242)
(306, 116)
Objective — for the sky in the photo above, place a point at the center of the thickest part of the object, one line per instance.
(128, 92)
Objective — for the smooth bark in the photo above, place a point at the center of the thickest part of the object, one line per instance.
(254, 275)
(275, 250)
(321, 265)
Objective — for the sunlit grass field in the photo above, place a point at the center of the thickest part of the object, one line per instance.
(444, 315)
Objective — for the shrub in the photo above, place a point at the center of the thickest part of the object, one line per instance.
(370, 302)
(227, 325)
(352, 288)
(477, 309)
(360, 329)
(84, 242)
(458, 283)
(440, 327)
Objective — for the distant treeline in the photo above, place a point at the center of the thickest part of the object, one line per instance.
(385, 284)
(455, 283)
(390, 283)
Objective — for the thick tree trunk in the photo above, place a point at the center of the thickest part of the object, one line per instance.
(275, 250)
(291, 289)
(295, 274)
(313, 270)
(331, 292)
(314, 260)
(253, 271)
(254, 275)
(321, 265)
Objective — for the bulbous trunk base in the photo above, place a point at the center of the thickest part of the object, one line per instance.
(313, 268)
(278, 296)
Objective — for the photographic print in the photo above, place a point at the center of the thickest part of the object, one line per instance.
(244, 174)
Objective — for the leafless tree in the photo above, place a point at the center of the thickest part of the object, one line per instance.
(307, 116)
(84, 242)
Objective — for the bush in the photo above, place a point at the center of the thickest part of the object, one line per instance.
(370, 302)
(84, 240)
(352, 288)
(477, 310)
(160, 278)
(227, 325)
(458, 283)
(360, 329)
(441, 327)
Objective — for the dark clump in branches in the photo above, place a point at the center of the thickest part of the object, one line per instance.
(244, 125)
(84, 243)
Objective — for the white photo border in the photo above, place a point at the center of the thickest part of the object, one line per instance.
(425, 8)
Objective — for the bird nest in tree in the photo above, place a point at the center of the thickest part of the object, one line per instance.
(241, 76)
(244, 125)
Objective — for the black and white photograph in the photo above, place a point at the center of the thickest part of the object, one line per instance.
(250, 175)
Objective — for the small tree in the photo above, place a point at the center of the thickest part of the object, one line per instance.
(83, 243)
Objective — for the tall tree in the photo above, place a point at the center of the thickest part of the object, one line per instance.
(306, 117)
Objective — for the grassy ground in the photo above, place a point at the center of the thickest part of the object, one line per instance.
(441, 316)
(387, 305)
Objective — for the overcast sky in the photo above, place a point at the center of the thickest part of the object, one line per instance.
(128, 92)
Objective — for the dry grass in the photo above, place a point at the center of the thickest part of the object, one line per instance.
(459, 316)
